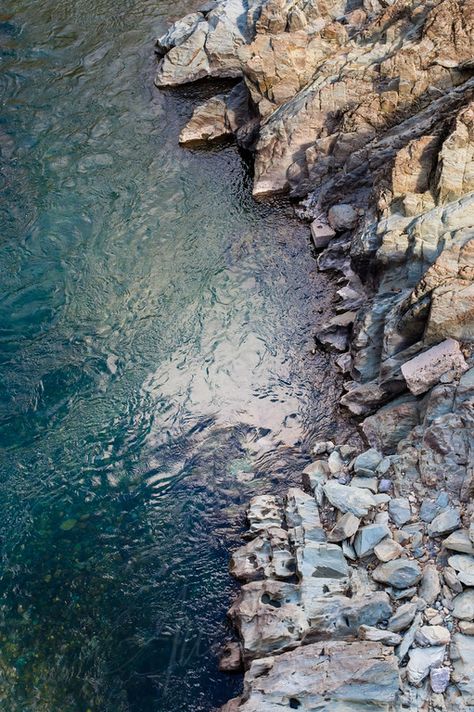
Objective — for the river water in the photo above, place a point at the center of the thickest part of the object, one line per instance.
(155, 368)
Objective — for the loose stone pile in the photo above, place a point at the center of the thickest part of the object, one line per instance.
(347, 571)
(358, 589)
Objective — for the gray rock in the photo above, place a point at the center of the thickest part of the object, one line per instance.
(409, 637)
(370, 483)
(335, 616)
(327, 676)
(403, 617)
(439, 679)
(462, 657)
(433, 635)
(377, 635)
(391, 423)
(268, 554)
(327, 561)
(345, 527)
(464, 605)
(385, 485)
(452, 580)
(445, 523)
(459, 541)
(367, 462)
(368, 537)
(430, 586)
(466, 627)
(398, 594)
(422, 660)
(264, 512)
(335, 463)
(387, 550)
(464, 565)
(322, 447)
(349, 499)
(342, 217)
(399, 573)
(269, 617)
(399, 510)
(430, 508)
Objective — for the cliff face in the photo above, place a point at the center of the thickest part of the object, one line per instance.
(365, 112)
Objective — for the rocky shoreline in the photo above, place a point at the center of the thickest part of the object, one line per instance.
(358, 587)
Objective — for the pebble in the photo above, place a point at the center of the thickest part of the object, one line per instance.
(385, 485)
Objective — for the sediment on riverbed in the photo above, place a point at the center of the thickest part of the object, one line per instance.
(358, 586)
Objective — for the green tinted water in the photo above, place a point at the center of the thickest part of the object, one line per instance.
(154, 368)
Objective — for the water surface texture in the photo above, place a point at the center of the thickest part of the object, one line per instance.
(155, 368)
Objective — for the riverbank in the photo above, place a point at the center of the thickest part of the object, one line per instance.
(358, 587)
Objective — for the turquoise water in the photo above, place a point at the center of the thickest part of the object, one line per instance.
(155, 368)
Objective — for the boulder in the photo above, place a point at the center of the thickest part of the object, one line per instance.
(329, 676)
(424, 371)
(367, 462)
(342, 217)
(377, 635)
(208, 123)
(264, 513)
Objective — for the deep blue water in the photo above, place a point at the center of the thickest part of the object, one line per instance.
(155, 368)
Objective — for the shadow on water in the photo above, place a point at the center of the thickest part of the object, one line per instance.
(155, 368)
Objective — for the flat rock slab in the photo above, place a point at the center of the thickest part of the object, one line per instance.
(425, 370)
(327, 677)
